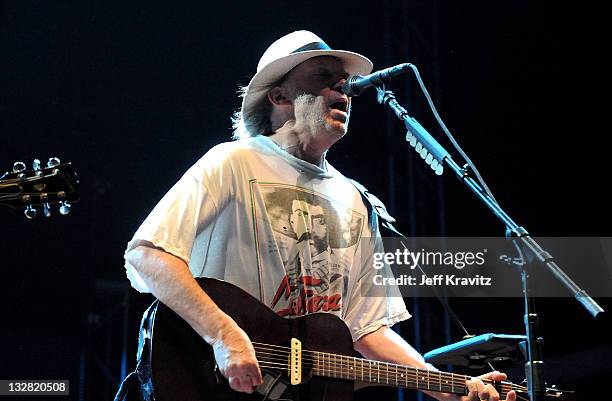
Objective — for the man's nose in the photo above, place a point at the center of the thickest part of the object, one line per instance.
(338, 85)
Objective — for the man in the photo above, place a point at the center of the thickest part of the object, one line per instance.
(222, 218)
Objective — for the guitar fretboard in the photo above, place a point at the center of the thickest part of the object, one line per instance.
(368, 371)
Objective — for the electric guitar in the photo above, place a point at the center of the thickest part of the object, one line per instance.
(41, 186)
(306, 358)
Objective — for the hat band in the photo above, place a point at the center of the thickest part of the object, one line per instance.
(312, 46)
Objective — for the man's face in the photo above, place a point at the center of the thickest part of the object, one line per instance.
(310, 220)
(318, 104)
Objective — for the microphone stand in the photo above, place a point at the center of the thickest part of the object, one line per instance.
(437, 156)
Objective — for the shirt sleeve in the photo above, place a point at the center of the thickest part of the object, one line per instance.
(372, 306)
(174, 222)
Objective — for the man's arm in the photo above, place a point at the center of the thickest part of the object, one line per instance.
(386, 345)
(170, 280)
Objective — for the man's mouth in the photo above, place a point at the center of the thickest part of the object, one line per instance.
(339, 105)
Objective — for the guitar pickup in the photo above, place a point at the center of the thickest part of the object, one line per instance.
(295, 362)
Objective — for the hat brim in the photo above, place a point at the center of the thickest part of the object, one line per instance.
(354, 64)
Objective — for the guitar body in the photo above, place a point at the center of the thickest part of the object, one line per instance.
(175, 363)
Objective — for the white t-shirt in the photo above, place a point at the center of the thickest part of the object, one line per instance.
(291, 234)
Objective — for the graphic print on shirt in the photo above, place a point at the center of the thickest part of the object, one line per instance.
(313, 238)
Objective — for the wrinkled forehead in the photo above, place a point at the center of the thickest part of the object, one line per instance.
(312, 65)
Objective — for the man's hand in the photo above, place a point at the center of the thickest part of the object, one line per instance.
(236, 360)
(481, 391)
(170, 280)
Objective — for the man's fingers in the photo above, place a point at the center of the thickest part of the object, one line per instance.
(511, 396)
(473, 390)
(255, 374)
(493, 394)
(495, 376)
(477, 390)
(245, 385)
(235, 384)
(244, 380)
(483, 393)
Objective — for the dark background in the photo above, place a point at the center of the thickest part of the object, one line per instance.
(133, 94)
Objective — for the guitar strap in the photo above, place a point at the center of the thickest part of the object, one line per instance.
(377, 210)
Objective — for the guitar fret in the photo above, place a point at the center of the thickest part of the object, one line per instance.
(347, 371)
(387, 368)
(371, 363)
(335, 364)
(322, 357)
(396, 377)
(417, 378)
(347, 367)
(440, 380)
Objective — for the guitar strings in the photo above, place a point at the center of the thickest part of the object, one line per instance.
(285, 366)
(333, 363)
(441, 379)
(410, 376)
(284, 352)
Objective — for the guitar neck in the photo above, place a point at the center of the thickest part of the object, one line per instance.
(375, 372)
(384, 373)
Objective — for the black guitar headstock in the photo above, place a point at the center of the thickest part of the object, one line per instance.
(56, 183)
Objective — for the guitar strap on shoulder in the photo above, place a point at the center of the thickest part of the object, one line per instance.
(377, 210)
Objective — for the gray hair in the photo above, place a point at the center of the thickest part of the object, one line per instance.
(256, 122)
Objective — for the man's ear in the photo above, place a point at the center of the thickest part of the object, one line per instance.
(278, 96)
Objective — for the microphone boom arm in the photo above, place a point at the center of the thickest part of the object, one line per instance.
(436, 156)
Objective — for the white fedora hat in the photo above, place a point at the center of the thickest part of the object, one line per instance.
(289, 51)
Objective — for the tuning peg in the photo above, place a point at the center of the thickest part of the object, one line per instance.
(36, 165)
(65, 208)
(53, 161)
(30, 212)
(18, 167)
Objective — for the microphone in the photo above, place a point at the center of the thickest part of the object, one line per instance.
(356, 84)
